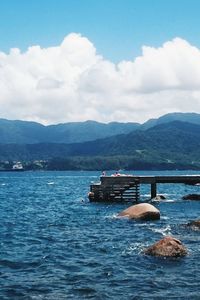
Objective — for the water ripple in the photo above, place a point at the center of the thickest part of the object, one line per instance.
(57, 245)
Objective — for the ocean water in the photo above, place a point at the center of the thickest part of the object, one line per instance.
(55, 244)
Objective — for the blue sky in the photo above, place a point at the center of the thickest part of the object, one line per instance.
(103, 60)
(118, 28)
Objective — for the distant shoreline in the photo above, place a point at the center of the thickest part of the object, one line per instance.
(10, 170)
(100, 170)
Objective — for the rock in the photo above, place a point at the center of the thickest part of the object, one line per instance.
(195, 224)
(158, 198)
(167, 247)
(91, 196)
(191, 197)
(142, 211)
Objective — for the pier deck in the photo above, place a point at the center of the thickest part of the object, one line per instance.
(114, 188)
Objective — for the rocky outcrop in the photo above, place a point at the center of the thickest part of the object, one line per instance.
(142, 211)
(167, 247)
(195, 197)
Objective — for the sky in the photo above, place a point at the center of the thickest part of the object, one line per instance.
(108, 60)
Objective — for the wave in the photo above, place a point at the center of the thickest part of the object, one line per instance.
(132, 248)
(164, 231)
(19, 264)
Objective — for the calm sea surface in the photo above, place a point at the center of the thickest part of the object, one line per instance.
(57, 245)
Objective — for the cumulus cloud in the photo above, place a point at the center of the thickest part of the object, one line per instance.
(71, 82)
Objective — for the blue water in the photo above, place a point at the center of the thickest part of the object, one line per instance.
(57, 245)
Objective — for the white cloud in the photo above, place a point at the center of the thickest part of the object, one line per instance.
(71, 82)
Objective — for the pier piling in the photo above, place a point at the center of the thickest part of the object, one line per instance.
(153, 190)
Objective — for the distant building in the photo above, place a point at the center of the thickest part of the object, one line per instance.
(17, 166)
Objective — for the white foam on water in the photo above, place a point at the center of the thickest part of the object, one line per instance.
(165, 218)
(51, 183)
(115, 216)
(132, 248)
(146, 195)
(169, 200)
(164, 231)
(163, 200)
(143, 224)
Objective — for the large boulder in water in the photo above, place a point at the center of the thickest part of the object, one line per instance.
(167, 247)
(192, 197)
(142, 211)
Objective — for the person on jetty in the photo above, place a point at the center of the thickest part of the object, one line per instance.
(119, 174)
(103, 173)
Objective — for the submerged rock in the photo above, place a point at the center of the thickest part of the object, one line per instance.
(158, 198)
(167, 247)
(195, 224)
(192, 197)
(142, 211)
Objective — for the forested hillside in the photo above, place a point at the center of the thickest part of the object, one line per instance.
(169, 145)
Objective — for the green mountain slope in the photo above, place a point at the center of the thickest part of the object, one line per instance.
(23, 132)
(169, 145)
(193, 118)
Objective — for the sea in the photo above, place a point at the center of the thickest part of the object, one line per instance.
(55, 244)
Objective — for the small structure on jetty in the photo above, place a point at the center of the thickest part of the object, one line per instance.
(127, 187)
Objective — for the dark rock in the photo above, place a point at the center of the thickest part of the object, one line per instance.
(191, 197)
(142, 211)
(195, 224)
(158, 198)
(167, 247)
(91, 196)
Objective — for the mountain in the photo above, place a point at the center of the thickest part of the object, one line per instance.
(21, 132)
(169, 146)
(169, 142)
(193, 118)
(86, 131)
(24, 132)
(173, 137)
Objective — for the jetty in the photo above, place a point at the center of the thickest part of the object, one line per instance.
(127, 187)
